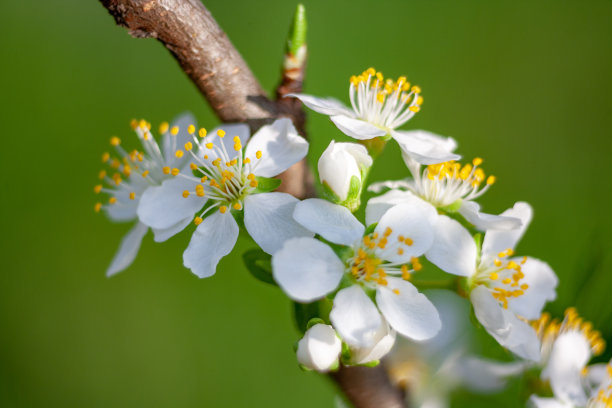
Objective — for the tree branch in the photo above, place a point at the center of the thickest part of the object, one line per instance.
(187, 29)
(369, 387)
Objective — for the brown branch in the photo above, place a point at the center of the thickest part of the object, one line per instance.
(205, 53)
(188, 30)
(369, 387)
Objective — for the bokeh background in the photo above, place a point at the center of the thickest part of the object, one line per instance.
(525, 85)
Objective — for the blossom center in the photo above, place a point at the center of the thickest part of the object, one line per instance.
(223, 180)
(549, 330)
(384, 102)
(130, 173)
(368, 266)
(503, 277)
(444, 183)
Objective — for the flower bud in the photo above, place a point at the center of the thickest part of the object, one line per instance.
(384, 339)
(342, 170)
(319, 348)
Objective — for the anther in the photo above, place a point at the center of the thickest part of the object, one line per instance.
(179, 154)
(115, 141)
(163, 128)
(202, 132)
(98, 188)
(221, 133)
(174, 131)
(223, 209)
(175, 171)
(97, 207)
(191, 129)
(166, 170)
(145, 173)
(188, 146)
(112, 200)
(258, 154)
(197, 220)
(132, 195)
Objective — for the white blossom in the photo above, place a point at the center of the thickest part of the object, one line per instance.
(379, 107)
(221, 179)
(134, 172)
(567, 347)
(450, 187)
(308, 269)
(503, 288)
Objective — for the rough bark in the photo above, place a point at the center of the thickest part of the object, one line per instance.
(205, 53)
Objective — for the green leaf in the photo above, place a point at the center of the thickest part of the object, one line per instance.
(297, 32)
(259, 264)
(370, 229)
(373, 363)
(265, 185)
(329, 194)
(303, 313)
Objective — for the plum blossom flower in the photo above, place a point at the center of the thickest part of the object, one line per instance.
(320, 348)
(379, 107)
(435, 368)
(132, 174)
(220, 179)
(567, 347)
(502, 287)
(308, 269)
(342, 170)
(450, 187)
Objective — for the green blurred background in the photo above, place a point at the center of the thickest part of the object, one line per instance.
(525, 85)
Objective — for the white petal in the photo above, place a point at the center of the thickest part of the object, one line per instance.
(124, 209)
(496, 241)
(454, 314)
(407, 221)
(383, 343)
(542, 283)
(425, 147)
(510, 332)
(212, 240)
(483, 375)
(320, 348)
(281, 147)
(173, 143)
(409, 312)
(306, 269)
(537, 402)
(357, 128)
(391, 185)
(569, 355)
(268, 217)
(161, 235)
(453, 250)
(482, 221)
(164, 206)
(378, 206)
(326, 106)
(128, 249)
(355, 317)
(333, 222)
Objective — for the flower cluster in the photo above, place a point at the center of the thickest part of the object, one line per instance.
(359, 282)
